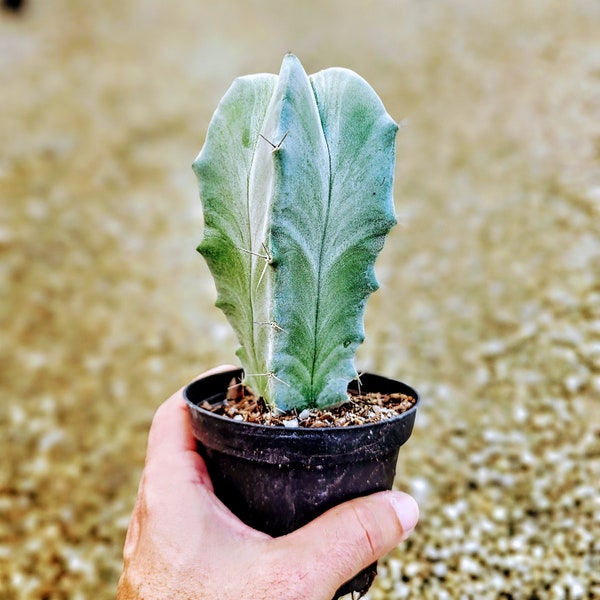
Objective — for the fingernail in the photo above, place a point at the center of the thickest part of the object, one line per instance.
(407, 510)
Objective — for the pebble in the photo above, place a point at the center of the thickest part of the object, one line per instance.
(420, 489)
(439, 570)
(50, 439)
(520, 413)
(6, 236)
(455, 510)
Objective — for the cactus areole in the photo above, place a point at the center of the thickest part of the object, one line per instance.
(296, 179)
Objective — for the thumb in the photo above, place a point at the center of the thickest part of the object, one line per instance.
(348, 538)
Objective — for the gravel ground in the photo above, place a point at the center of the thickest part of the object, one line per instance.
(490, 299)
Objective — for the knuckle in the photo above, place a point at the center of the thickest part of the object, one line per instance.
(368, 529)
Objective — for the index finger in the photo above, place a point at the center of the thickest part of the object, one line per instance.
(171, 429)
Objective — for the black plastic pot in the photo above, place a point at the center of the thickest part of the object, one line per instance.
(277, 479)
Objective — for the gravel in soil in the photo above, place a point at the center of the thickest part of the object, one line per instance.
(359, 409)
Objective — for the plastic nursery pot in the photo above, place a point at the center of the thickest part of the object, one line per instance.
(277, 479)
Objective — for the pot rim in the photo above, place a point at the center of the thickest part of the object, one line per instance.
(294, 431)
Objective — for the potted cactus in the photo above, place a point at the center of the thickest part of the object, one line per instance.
(296, 180)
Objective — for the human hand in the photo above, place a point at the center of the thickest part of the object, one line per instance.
(182, 542)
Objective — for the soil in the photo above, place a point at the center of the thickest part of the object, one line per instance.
(360, 409)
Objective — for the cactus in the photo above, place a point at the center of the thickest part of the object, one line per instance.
(296, 180)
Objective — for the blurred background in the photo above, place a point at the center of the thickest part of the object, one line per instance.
(490, 284)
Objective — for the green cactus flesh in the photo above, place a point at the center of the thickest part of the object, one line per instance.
(296, 180)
